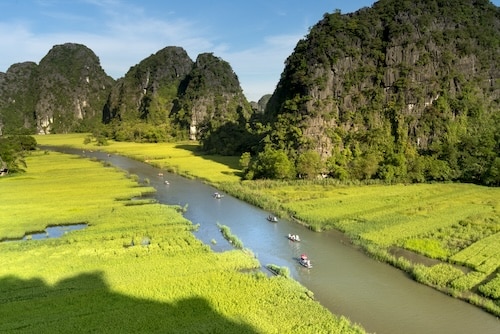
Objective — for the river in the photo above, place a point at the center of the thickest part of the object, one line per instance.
(347, 282)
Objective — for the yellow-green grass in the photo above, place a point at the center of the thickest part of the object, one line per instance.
(183, 158)
(456, 223)
(395, 215)
(31, 201)
(136, 268)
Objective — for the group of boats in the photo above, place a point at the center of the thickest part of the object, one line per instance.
(161, 175)
(303, 260)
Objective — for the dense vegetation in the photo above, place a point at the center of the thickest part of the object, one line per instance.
(135, 268)
(13, 151)
(405, 91)
(138, 106)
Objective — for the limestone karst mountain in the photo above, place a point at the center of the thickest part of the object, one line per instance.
(404, 90)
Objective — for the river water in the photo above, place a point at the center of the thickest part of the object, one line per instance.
(379, 297)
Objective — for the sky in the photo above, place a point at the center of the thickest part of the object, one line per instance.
(254, 36)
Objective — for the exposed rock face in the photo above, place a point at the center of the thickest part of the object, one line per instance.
(165, 96)
(178, 97)
(64, 93)
(405, 68)
(211, 95)
(72, 87)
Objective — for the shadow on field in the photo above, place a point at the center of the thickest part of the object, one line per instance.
(229, 161)
(85, 303)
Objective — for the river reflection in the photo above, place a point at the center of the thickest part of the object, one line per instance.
(379, 297)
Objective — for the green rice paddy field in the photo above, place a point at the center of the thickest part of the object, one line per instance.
(137, 267)
(456, 225)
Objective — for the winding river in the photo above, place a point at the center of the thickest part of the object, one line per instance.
(379, 297)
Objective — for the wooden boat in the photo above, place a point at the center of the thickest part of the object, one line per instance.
(272, 219)
(294, 237)
(304, 261)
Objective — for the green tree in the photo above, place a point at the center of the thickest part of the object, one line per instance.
(309, 164)
(273, 164)
(13, 149)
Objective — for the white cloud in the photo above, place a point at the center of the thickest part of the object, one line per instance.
(126, 36)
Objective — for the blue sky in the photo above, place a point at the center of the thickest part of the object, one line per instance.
(254, 36)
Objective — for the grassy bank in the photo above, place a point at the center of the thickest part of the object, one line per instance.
(181, 158)
(135, 268)
(457, 225)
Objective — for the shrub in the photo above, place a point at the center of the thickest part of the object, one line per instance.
(492, 288)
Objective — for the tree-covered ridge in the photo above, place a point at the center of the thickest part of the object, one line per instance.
(17, 95)
(64, 93)
(168, 97)
(139, 104)
(402, 91)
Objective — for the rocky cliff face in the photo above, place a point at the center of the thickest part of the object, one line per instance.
(167, 96)
(64, 93)
(211, 96)
(72, 89)
(411, 69)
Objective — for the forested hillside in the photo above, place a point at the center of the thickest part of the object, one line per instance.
(64, 93)
(169, 97)
(166, 97)
(138, 106)
(402, 91)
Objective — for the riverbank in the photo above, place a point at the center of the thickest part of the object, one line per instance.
(451, 223)
(119, 272)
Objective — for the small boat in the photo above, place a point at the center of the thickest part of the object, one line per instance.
(294, 237)
(217, 195)
(304, 260)
(166, 182)
(272, 219)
